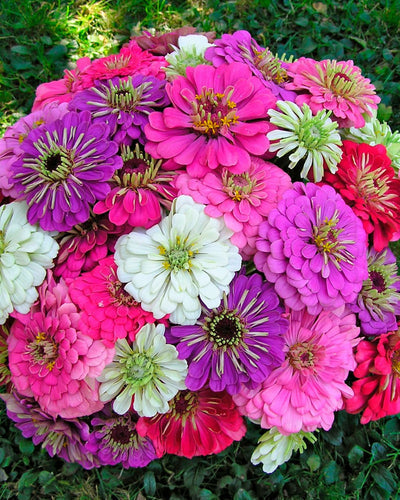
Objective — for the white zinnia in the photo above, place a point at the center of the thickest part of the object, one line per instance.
(185, 258)
(26, 251)
(149, 370)
(313, 139)
(190, 52)
(275, 448)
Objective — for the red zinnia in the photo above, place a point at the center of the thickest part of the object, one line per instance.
(198, 423)
(377, 392)
(368, 183)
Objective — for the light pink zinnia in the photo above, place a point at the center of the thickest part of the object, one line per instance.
(243, 200)
(62, 90)
(218, 118)
(108, 311)
(305, 391)
(52, 360)
(334, 85)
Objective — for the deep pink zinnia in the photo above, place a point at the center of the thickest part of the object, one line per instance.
(243, 200)
(197, 423)
(305, 391)
(377, 392)
(52, 360)
(334, 85)
(108, 311)
(218, 118)
(368, 183)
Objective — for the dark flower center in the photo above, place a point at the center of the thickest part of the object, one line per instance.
(119, 295)
(302, 355)
(52, 162)
(184, 403)
(43, 350)
(225, 329)
(378, 281)
(121, 434)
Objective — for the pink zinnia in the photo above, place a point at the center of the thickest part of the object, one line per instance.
(84, 245)
(377, 392)
(197, 423)
(62, 90)
(108, 311)
(52, 360)
(305, 391)
(140, 189)
(129, 61)
(243, 200)
(368, 183)
(334, 85)
(218, 118)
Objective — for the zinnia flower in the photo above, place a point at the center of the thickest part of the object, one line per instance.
(218, 118)
(243, 200)
(59, 436)
(108, 312)
(311, 140)
(198, 423)
(139, 190)
(114, 440)
(241, 341)
(377, 392)
(25, 253)
(305, 391)
(334, 85)
(186, 258)
(5, 374)
(240, 46)
(275, 448)
(189, 52)
(123, 104)
(368, 183)
(313, 248)
(52, 360)
(84, 245)
(378, 302)
(149, 370)
(66, 166)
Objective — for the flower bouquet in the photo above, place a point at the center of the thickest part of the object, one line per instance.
(194, 233)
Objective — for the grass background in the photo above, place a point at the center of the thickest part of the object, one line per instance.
(41, 38)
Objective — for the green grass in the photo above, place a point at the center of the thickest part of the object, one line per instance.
(41, 38)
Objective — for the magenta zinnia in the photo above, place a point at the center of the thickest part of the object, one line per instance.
(313, 247)
(334, 85)
(305, 391)
(239, 342)
(65, 167)
(218, 118)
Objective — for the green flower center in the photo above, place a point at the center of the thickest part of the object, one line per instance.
(178, 256)
(118, 62)
(43, 351)
(313, 134)
(214, 112)
(56, 162)
(138, 370)
(2, 243)
(237, 186)
(225, 329)
(270, 66)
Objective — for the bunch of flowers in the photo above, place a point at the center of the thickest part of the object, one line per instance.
(194, 233)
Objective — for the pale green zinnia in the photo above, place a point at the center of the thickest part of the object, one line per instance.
(275, 448)
(190, 52)
(149, 370)
(312, 138)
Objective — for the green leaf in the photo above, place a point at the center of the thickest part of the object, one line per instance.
(392, 427)
(2, 455)
(384, 478)
(301, 21)
(378, 451)
(242, 494)
(205, 494)
(20, 64)
(240, 471)
(355, 455)
(57, 52)
(26, 447)
(313, 462)
(27, 479)
(331, 472)
(334, 436)
(193, 477)
(3, 476)
(149, 483)
(23, 50)
(224, 481)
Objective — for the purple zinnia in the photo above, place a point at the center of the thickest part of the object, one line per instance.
(62, 437)
(241, 341)
(124, 104)
(379, 299)
(313, 247)
(114, 440)
(241, 47)
(65, 168)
